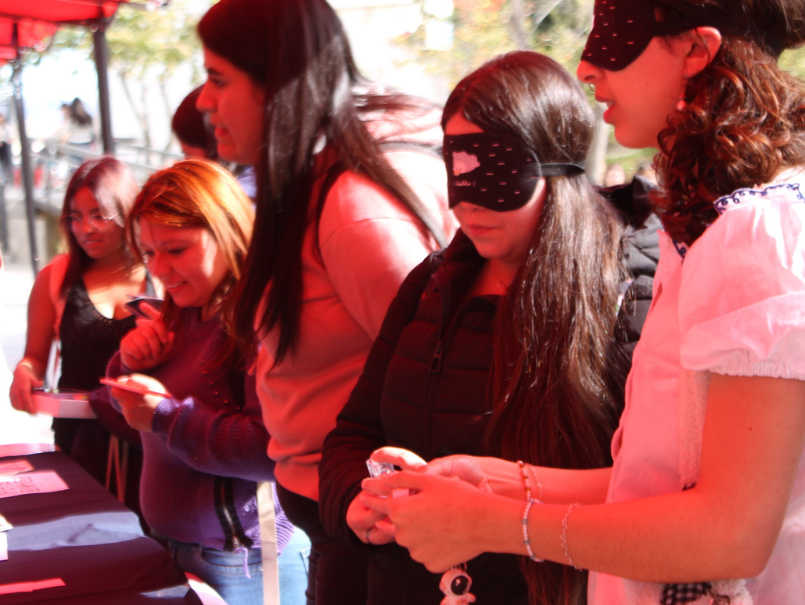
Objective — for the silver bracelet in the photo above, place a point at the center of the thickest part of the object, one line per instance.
(564, 535)
(526, 539)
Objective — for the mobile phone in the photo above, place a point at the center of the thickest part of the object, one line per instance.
(131, 387)
(135, 301)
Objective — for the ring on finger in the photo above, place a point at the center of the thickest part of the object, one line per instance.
(368, 541)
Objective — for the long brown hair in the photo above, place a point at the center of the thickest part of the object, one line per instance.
(199, 193)
(745, 117)
(555, 326)
(112, 185)
(299, 53)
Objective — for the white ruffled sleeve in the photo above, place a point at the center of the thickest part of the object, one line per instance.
(742, 296)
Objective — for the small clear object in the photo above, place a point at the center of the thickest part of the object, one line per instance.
(379, 468)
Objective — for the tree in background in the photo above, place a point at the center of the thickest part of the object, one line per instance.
(483, 29)
(145, 48)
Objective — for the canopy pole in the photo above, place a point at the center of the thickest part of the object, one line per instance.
(102, 67)
(25, 150)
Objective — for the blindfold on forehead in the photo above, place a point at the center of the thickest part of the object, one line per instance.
(497, 172)
(622, 29)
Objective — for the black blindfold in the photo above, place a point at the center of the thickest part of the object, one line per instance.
(622, 29)
(497, 172)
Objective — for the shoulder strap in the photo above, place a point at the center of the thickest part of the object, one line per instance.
(58, 269)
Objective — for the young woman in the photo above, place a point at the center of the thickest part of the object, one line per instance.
(349, 200)
(79, 299)
(203, 435)
(705, 502)
(505, 333)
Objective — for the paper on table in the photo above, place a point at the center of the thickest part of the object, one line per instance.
(14, 467)
(4, 524)
(30, 586)
(25, 449)
(3, 547)
(39, 482)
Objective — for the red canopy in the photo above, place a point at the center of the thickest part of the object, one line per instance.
(39, 19)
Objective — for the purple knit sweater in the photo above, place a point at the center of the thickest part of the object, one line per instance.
(206, 451)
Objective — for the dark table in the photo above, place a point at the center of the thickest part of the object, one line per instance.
(84, 536)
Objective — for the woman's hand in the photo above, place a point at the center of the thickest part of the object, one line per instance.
(492, 475)
(138, 409)
(441, 522)
(405, 459)
(25, 380)
(364, 521)
(148, 344)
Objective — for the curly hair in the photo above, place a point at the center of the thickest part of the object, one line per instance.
(744, 121)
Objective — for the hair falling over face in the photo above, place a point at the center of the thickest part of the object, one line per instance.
(554, 352)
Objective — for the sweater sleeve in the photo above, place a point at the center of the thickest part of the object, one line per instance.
(105, 408)
(359, 429)
(743, 292)
(369, 242)
(223, 442)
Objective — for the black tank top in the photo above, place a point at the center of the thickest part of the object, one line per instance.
(88, 340)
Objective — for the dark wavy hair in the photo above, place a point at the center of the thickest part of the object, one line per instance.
(555, 327)
(112, 185)
(745, 117)
(78, 113)
(299, 53)
(192, 128)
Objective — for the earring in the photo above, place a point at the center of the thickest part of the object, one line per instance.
(682, 104)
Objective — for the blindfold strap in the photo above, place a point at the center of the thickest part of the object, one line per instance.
(728, 27)
(562, 169)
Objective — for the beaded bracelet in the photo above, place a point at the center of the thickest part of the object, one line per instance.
(530, 468)
(524, 468)
(564, 535)
(526, 539)
(526, 480)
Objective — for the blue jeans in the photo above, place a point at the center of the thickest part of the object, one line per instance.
(293, 569)
(223, 570)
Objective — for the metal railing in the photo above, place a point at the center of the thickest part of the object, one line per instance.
(55, 163)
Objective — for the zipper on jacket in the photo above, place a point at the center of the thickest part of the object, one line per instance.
(446, 335)
(231, 541)
(235, 537)
(436, 362)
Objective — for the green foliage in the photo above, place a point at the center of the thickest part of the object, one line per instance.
(793, 61)
(484, 29)
(140, 41)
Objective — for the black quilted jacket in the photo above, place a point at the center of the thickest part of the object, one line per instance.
(424, 388)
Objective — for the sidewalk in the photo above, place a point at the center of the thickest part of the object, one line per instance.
(16, 427)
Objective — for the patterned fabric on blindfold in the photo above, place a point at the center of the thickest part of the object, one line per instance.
(497, 172)
(622, 29)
